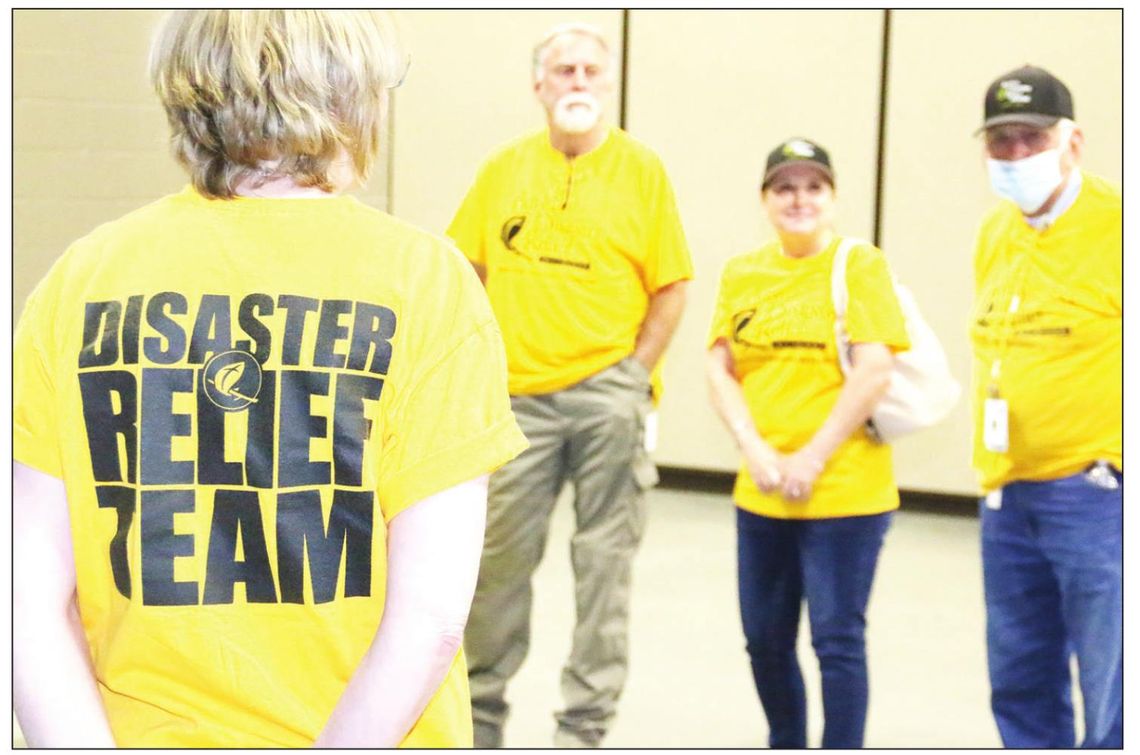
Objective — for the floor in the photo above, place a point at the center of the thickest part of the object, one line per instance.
(689, 682)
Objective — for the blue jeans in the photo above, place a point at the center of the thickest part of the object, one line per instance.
(1052, 562)
(831, 564)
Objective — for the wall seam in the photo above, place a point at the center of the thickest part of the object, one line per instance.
(880, 160)
(622, 100)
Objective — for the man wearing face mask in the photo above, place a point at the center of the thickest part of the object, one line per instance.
(575, 232)
(1047, 342)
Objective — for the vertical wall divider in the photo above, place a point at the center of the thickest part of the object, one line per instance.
(624, 85)
(880, 160)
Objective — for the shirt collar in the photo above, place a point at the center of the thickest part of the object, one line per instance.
(1063, 203)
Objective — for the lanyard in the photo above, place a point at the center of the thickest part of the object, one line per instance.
(1005, 334)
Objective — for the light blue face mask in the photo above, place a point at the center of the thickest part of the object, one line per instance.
(1028, 181)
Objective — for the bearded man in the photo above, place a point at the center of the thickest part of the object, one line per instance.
(576, 235)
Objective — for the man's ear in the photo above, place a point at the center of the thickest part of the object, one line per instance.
(1077, 143)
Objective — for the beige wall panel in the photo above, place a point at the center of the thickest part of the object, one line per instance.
(713, 92)
(89, 136)
(468, 92)
(936, 188)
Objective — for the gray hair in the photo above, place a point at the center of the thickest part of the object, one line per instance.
(538, 58)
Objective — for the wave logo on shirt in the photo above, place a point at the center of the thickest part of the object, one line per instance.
(232, 380)
(511, 229)
(547, 234)
(778, 327)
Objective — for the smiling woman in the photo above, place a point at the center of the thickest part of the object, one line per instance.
(814, 493)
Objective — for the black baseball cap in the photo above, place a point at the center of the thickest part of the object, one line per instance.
(1028, 95)
(797, 150)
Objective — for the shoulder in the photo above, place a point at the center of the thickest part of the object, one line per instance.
(746, 262)
(998, 219)
(135, 230)
(636, 152)
(1101, 194)
(863, 250)
(864, 256)
(521, 148)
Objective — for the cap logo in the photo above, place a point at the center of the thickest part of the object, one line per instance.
(798, 148)
(1014, 92)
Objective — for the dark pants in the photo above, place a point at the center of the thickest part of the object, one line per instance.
(831, 564)
(1052, 561)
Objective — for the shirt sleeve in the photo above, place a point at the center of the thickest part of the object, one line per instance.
(35, 431)
(721, 325)
(667, 259)
(466, 228)
(454, 420)
(873, 312)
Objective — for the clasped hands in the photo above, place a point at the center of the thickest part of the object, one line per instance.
(793, 475)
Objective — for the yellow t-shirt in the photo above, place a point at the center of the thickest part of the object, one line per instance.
(317, 367)
(777, 316)
(1061, 352)
(573, 249)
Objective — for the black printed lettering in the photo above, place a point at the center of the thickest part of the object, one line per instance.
(160, 425)
(296, 308)
(237, 511)
(350, 428)
(329, 331)
(131, 323)
(100, 392)
(372, 329)
(298, 425)
(259, 444)
(161, 545)
(172, 345)
(213, 469)
(122, 500)
(100, 334)
(301, 530)
(211, 329)
(252, 306)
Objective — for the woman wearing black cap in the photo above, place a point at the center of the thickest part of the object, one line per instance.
(814, 493)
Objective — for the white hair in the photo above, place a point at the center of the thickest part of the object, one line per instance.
(538, 59)
(1065, 128)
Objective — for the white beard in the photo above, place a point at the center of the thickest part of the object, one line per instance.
(577, 113)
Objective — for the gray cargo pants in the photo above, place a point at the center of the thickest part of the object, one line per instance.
(591, 434)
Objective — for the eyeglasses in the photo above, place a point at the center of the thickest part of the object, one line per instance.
(1002, 142)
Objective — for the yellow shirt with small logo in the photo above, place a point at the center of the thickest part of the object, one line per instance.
(239, 395)
(1061, 350)
(777, 316)
(573, 249)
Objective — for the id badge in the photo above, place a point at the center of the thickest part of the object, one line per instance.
(651, 432)
(995, 425)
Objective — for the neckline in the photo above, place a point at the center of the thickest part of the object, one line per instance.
(265, 204)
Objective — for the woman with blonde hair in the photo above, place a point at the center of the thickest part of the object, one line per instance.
(815, 493)
(253, 422)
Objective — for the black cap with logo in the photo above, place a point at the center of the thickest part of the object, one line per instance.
(797, 150)
(1028, 95)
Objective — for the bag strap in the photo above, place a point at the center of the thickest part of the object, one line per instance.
(839, 275)
(839, 299)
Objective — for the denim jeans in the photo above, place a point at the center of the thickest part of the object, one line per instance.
(1052, 563)
(831, 564)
